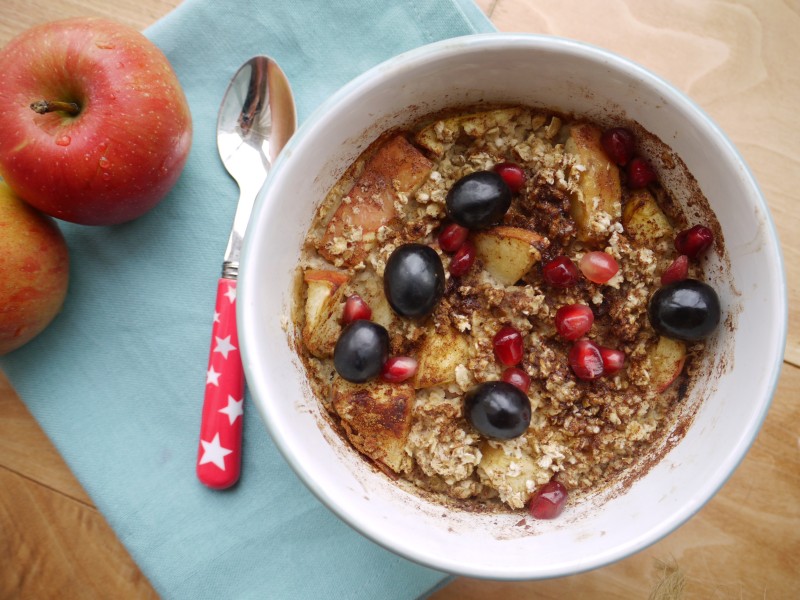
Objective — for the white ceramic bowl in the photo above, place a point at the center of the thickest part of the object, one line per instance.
(743, 364)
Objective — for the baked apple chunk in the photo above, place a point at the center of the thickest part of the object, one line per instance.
(599, 197)
(508, 252)
(376, 417)
(396, 168)
(667, 358)
(512, 475)
(441, 352)
(643, 220)
(323, 310)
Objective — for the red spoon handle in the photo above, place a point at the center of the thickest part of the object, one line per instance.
(219, 455)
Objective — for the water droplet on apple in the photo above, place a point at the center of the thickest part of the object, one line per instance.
(104, 162)
(63, 140)
(106, 175)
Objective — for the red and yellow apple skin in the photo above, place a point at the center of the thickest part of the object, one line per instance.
(128, 143)
(34, 271)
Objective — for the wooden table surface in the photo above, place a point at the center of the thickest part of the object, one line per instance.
(739, 60)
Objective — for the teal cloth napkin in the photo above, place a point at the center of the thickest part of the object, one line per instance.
(117, 380)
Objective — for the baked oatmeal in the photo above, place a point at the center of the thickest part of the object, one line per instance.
(476, 302)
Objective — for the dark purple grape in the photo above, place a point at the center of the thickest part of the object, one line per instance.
(498, 410)
(413, 280)
(685, 310)
(478, 200)
(360, 351)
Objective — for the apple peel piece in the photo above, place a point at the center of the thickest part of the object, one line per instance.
(666, 362)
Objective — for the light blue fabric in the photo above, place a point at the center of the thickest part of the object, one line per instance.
(117, 380)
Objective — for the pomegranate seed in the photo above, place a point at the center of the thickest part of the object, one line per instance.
(640, 173)
(355, 308)
(452, 237)
(549, 500)
(512, 174)
(574, 321)
(677, 271)
(561, 272)
(517, 377)
(508, 346)
(619, 144)
(599, 267)
(693, 242)
(399, 368)
(463, 259)
(613, 360)
(586, 360)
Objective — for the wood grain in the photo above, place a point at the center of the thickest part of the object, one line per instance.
(738, 60)
(53, 546)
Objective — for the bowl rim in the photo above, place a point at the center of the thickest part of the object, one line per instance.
(476, 42)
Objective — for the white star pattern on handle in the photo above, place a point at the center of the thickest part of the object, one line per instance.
(230, 294)
(233, 410)
(216, 317)
(214, 453)
(224, 346)
(212, 377)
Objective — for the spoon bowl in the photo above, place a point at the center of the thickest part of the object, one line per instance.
(249, 136)
(256, 119)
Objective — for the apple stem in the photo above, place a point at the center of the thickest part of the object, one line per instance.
(46, 106)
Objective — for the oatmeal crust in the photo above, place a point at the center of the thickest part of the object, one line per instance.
(585, 433)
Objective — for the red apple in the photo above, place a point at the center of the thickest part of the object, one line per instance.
(34, 271)
(115, 128)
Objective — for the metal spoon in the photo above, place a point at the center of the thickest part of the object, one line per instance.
(256, 118)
